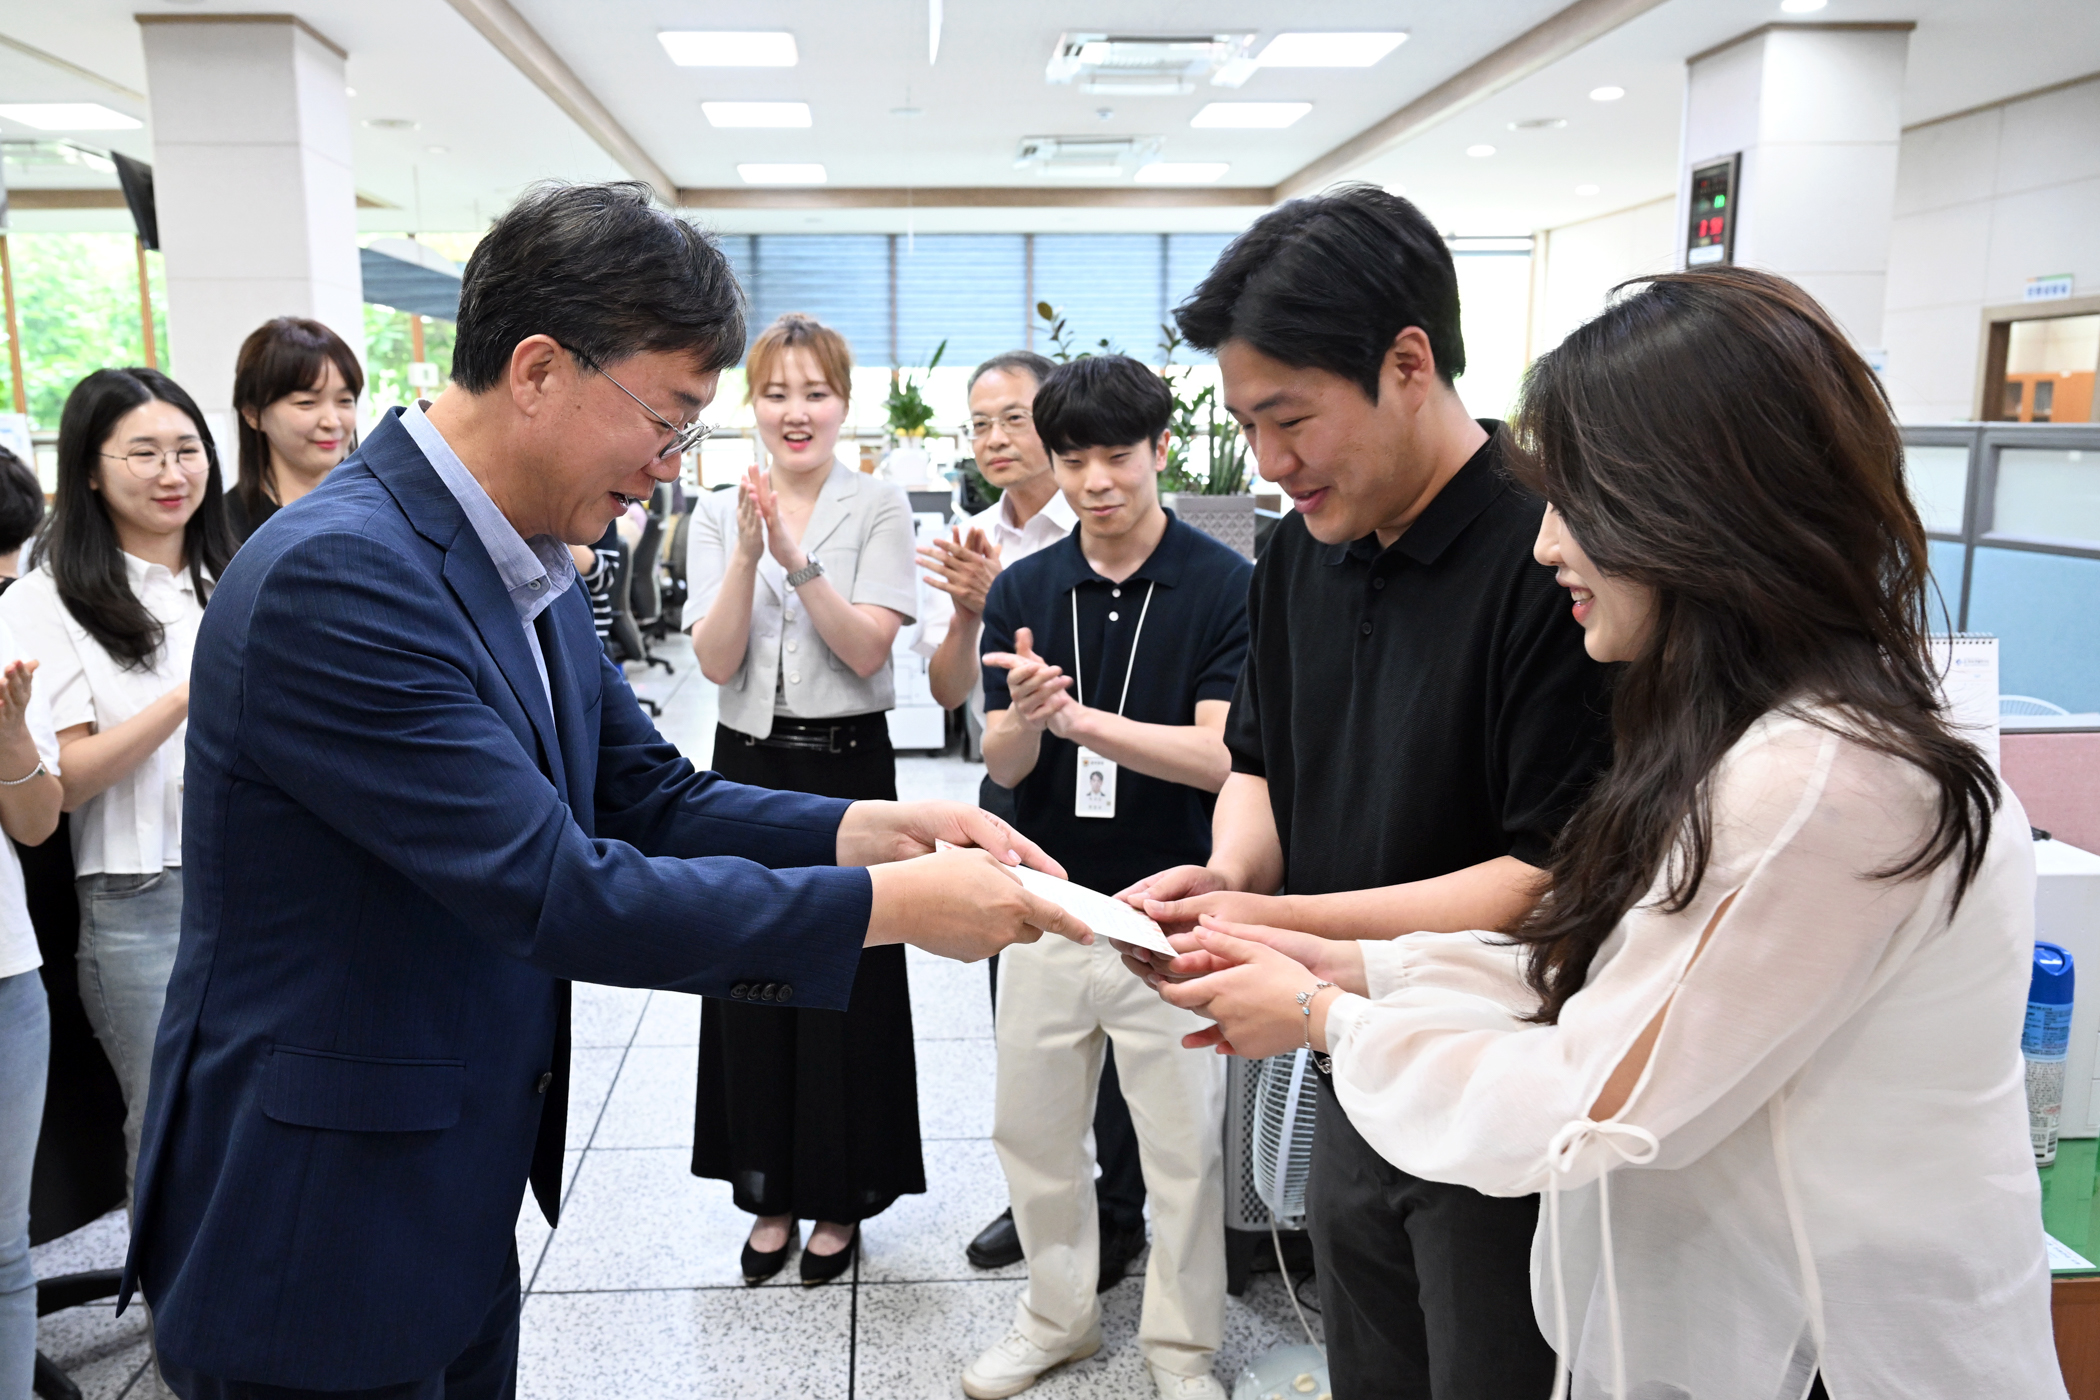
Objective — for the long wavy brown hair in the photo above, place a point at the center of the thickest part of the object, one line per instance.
(1714, 436)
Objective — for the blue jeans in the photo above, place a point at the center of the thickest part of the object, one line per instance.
(129, 926)
(25, 1048)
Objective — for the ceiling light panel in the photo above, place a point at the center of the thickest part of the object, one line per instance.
(763, 173)
(1193, 172)
(1607, 93)
(733, 48)
(1144, 65)
(1359, 49)
(68, 116)
(1243, 115)
(725, 114)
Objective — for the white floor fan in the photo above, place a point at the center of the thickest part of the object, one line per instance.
(1281, 1156)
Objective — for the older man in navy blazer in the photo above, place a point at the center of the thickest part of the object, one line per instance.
(419, 800)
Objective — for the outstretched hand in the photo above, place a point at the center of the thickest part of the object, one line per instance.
(1234, 975)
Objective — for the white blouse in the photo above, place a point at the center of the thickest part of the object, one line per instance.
(1825, 1162)
(18, 950)
(134, 827)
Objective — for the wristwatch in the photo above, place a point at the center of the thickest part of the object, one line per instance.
(804, 574)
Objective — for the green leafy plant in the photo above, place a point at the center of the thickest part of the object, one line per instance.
(909, 412)
(1199, 414)
(1062, 348)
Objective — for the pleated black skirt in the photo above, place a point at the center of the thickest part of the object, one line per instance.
(813, 1114)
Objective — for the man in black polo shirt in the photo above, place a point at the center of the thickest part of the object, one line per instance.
(1416, 719)
(1110, 659)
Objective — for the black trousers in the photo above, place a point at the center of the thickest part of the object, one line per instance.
(486, 1370)
(1120, 1190)
(1425, 1288)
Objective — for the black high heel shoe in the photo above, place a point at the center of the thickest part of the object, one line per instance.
(823, 1268)
(760, 1267)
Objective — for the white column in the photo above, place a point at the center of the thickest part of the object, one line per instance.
(252, 181)
(1816, 111)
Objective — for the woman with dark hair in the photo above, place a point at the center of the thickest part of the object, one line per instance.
(1760, 1039)
(295, 387)
(21, 511)
(109, 609)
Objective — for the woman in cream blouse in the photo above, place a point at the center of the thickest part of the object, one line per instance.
(1760, 1042)
(800, 579)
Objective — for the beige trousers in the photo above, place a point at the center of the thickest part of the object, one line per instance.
(1057, 1001)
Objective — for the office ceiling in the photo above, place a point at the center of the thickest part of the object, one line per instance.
(482, 129)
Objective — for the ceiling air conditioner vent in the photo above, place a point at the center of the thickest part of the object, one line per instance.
(1085, 156)
(1150, 65)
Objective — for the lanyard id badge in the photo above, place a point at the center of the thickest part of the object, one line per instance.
(1094, 787)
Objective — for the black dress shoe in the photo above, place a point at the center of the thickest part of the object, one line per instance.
(997, 1244)
(823, 1268)
(1118, 1248)
(760, 1267)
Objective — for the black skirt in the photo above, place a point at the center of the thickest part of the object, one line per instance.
(813, 1114)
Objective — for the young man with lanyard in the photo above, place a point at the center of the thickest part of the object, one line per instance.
(1417, 717)
(1031, 514)
(1109, 662)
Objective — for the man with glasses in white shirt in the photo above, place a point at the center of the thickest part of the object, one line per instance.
(1031, 514)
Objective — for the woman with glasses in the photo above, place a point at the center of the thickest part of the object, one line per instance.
(109, 611)
(295, 386)
(800, 579)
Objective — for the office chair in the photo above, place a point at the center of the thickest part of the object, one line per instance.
(678, 589)
(626, 639)
(645, 590)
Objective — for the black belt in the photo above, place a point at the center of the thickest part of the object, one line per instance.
(845, 734)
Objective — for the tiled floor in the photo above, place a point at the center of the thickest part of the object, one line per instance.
(637, 1295)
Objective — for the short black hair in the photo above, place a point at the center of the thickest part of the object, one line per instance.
(21, 502)
(1036, 367)
(1327, 282)
(1101, 401)
(604, 272)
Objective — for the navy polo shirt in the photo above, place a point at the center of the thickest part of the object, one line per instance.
(1192, 647)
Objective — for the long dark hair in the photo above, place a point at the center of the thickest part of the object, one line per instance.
(281, 357)
(79, 546)
(1715, 437)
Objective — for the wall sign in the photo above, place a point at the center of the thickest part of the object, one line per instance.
(1710, 235)
(2055, 287)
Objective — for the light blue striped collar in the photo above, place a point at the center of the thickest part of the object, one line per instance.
(534, 572)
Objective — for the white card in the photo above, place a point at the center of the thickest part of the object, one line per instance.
(1106, 916)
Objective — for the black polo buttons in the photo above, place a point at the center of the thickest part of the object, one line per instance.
(740, 991)
(546, 1082)
(1364, 628)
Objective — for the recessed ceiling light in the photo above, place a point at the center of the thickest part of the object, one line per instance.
(1585, 191)
(1802, 7)
(68, 116)
(1481, 151)
(349, 92)
(1355, 50)
(781, 174)
(1607, 93)
(756, 113)
(1167, 172)
(717, 48)
(1250, 114)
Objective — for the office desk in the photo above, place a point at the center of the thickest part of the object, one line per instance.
(2071, 1214)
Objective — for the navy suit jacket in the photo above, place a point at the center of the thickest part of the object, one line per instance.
(394, 857)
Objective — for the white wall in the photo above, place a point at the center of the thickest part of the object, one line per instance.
(1983, 203)
(1577, 265)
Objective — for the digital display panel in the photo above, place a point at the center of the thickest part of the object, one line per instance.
(1710, 237)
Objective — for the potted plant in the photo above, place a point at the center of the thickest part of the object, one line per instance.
(908, 463)
(1207, 488)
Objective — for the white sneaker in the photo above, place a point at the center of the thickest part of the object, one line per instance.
(1175, 1387)
(1017, 1363)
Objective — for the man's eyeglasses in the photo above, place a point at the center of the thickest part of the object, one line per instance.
(145, 462)
(683, 440)
(1016, 421)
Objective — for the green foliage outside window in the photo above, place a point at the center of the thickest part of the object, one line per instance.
(386, 355)
(77, 300)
